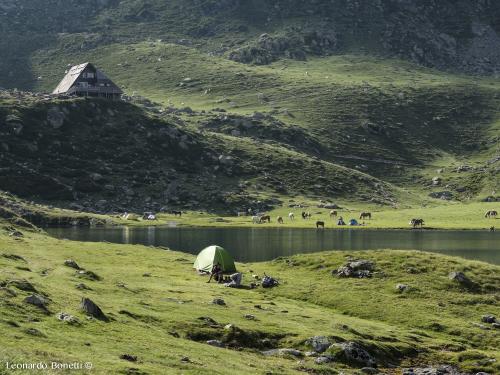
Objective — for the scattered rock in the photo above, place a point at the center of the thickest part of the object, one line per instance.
(323, 359)
(463, 280)
(92, 309)
(88, 275)
(283, 352)
(129, 357)
(34, 332)
(82, 286)
(37, 300)
(216, 343)
(439, 370)
(23, 285)
(219, 301)
(249, 317)
(70, 319)
(72, 264)
(359, 268)
(402, 288)
(353, 353)
(319, 343)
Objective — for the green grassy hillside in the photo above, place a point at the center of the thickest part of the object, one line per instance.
(161, 312)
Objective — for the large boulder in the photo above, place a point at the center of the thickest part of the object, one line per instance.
(319, 343)
(358, 268)
(352, 353)
(92, 309)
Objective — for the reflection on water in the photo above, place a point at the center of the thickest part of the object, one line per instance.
(259, 244)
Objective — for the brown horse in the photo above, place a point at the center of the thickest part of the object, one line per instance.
(365, 215)
(265, 218)
(491, 214)
(333, 214)
(320, 224)
(280, 220)
(176, 213)
(417, 222)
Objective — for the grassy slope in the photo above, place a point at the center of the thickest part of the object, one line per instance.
(429, 119)
(435, 318)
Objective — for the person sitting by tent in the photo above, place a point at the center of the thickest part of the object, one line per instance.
(353, 222)
(235, 280)
(341, 221)
(216, 273)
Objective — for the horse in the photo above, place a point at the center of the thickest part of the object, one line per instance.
(280, 220)
(306, 215)
(291, 216)
(255, 220)
(491, 214)
(176, 213)
(417, 222)
(265, 218)
(365, 215)
(320, 224)
(333, 214)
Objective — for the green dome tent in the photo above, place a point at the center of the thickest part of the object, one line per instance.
(212, 255)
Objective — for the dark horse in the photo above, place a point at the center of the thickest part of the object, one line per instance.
(417, 222)
(320, 224)
(265, 218)
(365, 215)
(176, 213)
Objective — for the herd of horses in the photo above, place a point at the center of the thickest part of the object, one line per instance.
(261, 219)
(414, 223)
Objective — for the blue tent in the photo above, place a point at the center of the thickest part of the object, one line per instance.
(353, 222)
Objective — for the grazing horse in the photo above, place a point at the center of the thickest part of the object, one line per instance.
(176, 213)
(491, 214)
(280, 220)
(333, 214)
(291, 216)
(265, 218)
(255, 220)
(365, 215)
(320, 224)
(417, 222)
(306, 215)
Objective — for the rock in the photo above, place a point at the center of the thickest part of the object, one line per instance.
(283, 352)
(436, 181)
(129, 357)
(37, 300)
(92, 309)
(55, 117)
(70, 319)
(82, 286)
(359, 268)
(249, 317)
(219, 301)
(216, 343)
(352, 352)
(402, 288)
(23, 285)
(488, 319)
(319, 343)
(72, 264)
(438, 370)
(88, 275)
(463, 280)
(323, 359)
(495, 325)
(34, 332)
(445, 195)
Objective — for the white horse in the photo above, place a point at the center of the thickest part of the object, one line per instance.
(291, 216)
(255, 220)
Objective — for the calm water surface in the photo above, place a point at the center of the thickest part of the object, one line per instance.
(260, 244)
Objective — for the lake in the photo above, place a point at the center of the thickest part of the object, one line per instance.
(261, 244)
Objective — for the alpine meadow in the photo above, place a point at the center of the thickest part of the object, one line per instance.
(250, 187)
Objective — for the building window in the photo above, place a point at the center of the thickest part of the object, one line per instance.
(89, 75)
